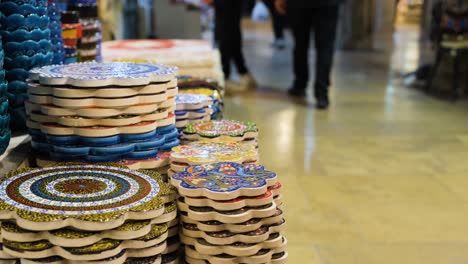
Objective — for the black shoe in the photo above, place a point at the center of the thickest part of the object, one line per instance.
(322, 103)
(297, 92)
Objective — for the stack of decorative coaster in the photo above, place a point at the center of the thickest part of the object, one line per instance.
(202, 152)
(230, 214)
(5, 133)
(87, 214)
(192, 109)
(224, 130)
(204, 86)
(24, 26)
(102, 112)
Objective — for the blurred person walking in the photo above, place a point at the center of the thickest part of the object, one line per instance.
(278, 22)
(303, 16)
(228, 15)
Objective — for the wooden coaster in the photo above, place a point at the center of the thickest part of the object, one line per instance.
(101, 102)
(226, 238)
(162, 160)
(249, 226)
(95, 74)
(235, 204)
(198, 153)
(171, 258)
(197, 114)
(228, 217)
(106, 92)
(224, 130)
(95, 112)
(230, 181)
(66, 186)
(263, 256)
(238, 249)
(185, 102)
(184, 122)
(105, 248)
(100, 131)
(278, 258)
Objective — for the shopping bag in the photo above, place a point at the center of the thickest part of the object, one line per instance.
(260, 12)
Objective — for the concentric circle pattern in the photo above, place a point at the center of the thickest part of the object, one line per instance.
(78, 190)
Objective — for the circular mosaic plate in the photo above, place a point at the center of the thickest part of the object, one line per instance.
(221, 129)
(197, 153)
(95, 74)
(224, 181)
(87, 197)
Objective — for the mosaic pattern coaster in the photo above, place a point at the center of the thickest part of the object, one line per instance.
(228, 217)
(249, 226)
(107, 92)
(221, 130)
(197, 153)
(224, 181)
(88, 197)
(103, 74)
(94, 112)
(192, 102)
(237, 249)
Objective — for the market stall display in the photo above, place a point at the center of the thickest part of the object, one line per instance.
(90, 41)
(224, 130)
(24, 27)
(192, 109)
(74, 213)
(103, 112)
(231, 213)
(193, 57)
(55, 26)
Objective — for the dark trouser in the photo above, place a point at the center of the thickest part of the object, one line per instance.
(277, 19)
(228, 30)
(323, 20)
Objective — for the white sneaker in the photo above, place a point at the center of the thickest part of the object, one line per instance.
(247, 82)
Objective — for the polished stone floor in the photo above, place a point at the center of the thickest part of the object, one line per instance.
(381, 177)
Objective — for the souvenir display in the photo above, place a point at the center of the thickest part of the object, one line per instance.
(224, 130)
(77, 212)
(54, 13)
(103, 112)
(89, 44)
(5, 133)
(24, 26)
(193, 57)
(192, 109)
(204, 86)
(71, 34)
(249, 231)
(205, 152)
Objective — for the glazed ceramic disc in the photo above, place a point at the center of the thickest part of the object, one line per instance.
(73, 121)
(263, 256)
(103, 74)
(235, 204)
(161, 160)
(249, 226)
(95, 112)
(100, 131)
(192, 101)
(228, 217)
(277, 258)
(93, 198)
(195, 114)
(224, 181)
(107, 92)
(221, 130)
(184, 123)
(238, 249)
(105, 248)
(198, 153)
(101, 102)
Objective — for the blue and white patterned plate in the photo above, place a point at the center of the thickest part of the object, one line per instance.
(95, 74)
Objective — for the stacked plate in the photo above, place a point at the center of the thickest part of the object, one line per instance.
(24, 26)
(87, 214)
(192, 109)
(199, 153)
(231, 213)
(103, 112)
(224, 130)
(209, 87)
(5, 133)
